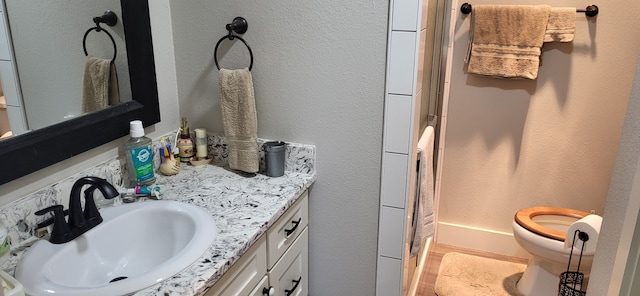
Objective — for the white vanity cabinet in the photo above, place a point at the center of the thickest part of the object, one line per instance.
(277, 263)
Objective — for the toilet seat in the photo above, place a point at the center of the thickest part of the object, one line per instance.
(524, 219)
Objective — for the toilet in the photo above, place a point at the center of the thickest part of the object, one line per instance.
(541, 232)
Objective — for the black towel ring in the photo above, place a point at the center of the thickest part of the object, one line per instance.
(239, 25)
(109, 18)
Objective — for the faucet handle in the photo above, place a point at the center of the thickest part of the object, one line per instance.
(49, 221)
(61, 232)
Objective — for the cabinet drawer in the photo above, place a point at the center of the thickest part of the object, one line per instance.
(245, 274)
(282, 234)
(290, 275)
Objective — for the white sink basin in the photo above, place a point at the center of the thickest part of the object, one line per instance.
(137, 245)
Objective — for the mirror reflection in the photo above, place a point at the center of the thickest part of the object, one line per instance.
(43, 64)
(42, 147)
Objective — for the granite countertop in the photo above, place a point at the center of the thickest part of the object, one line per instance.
(243, 208)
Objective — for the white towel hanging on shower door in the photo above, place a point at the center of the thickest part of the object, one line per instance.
(425, 217)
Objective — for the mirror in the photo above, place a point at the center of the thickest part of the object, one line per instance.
(29, 152)
(52, 35)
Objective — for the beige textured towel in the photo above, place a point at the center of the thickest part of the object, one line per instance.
(99, 84)
(505, 40)
(239, 119)
(562, 25)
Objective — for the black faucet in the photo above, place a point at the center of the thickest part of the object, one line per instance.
(79, 221)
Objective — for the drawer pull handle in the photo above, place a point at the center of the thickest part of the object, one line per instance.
(271, 291)
(295, 285)
(288, 232)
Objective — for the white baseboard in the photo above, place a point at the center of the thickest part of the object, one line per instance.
(475, 238)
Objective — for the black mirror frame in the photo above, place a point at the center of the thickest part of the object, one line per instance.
(35, 150)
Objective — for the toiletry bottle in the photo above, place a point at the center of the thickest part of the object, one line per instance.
(139, 156)
(185, 144)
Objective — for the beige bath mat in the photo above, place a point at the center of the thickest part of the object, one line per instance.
(468, 275)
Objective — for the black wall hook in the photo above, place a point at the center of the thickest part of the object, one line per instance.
(591, 10)
(465, 8)
(238, 25)
(108, 17)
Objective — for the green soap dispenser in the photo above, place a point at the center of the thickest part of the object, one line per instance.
(139, 156)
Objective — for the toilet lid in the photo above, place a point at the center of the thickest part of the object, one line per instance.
(524, 219)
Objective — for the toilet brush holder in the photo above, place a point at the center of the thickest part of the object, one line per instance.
(571, 281)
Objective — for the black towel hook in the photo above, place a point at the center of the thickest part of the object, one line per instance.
(239, 26)
(110, 19)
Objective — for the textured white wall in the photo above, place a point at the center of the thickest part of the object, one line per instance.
(549, 142)
(319, 75)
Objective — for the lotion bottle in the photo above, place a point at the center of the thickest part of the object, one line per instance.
(185, 144)
(139, 156)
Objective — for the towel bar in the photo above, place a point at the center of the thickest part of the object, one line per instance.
(110, 19)
(239, 25)
(591, 10)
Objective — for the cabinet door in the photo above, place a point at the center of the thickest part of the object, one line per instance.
(245, 274)
(290, 275)
(282, 233)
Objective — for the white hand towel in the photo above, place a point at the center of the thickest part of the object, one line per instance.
(425, 218)
(99, 84)
(239, 119)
